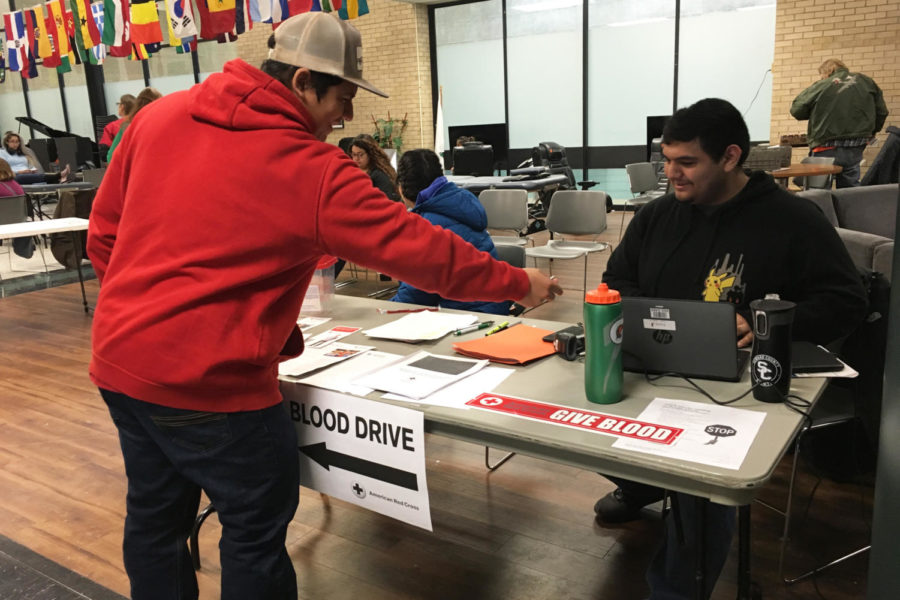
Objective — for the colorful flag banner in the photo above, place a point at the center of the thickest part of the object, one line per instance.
(280, 10)
(113, 22)
(353, 9)
(242, 20)
(99, 51)
(51, 61)
(123, 49)
(145, 27)
(260, 11)
(180, 15)
(16, 41)
(31, 51)
(57, 13)
(216, 18)
(86, 30)
(43, 47)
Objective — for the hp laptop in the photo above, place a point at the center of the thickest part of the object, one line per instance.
(689, 337)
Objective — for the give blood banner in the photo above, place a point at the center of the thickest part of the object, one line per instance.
(587, 420)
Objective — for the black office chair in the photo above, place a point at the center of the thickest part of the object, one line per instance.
(553, 156)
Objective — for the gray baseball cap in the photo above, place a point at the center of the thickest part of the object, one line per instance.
(322, 42)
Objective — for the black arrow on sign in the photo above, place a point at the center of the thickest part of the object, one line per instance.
(329, 458)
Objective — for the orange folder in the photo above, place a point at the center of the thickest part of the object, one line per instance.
(514, 346)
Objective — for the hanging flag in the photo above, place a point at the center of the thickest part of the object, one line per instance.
(180, 15)
(99, 51)
(51, 61)
(86, 30)
(280, 10)
(113, 23)
(139, 52)
(31, 41)
(439, 143)
(145, 28)
(298, 7)
(123, 49)
(242, 20)
(57, 14)
(260, 10)
(186, 46)
(43, 47)
(16, 41)
(353, 9)
(216, 18)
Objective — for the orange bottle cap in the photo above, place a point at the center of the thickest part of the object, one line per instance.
(602, 295)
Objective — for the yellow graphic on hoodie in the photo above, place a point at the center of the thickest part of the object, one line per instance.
(724, 283)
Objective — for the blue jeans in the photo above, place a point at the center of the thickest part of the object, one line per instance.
(246, 463)
(848, 158)
(672, 571)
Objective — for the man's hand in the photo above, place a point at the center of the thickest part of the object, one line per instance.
(543, 289)
(744, 332)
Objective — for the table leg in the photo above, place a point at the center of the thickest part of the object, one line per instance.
(700, 558)
(744, 552)
(75, 247)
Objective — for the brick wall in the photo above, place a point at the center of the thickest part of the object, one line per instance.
(395, 59)
(864, 34)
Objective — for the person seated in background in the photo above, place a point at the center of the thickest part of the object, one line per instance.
(24, 163)
(423, 186)
(125, 106)
(24, 247)
(145, 97)
(372, 159)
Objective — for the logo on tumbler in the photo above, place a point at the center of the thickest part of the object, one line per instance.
(766, 370)
(615, 332)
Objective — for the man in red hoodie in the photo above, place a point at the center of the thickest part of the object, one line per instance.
(203, 269)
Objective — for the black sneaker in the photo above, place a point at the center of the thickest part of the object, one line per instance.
(617, 507)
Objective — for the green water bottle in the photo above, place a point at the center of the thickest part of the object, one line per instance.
(603, 345)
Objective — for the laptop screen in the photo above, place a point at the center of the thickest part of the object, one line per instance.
(689, 337)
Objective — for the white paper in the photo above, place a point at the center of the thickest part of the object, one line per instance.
(733, 431)
(328, 337)
(420, 374)
(313, 359)
(307, 323)
(422, 326)
(457, 394)
(340, 377)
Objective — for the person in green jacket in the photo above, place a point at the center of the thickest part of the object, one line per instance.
(145, 97)
(845, 111)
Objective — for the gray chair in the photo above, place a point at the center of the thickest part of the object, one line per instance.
(816, 181)
(644, 181)
(14, 209)
(506, 210)
(829, 411)
(514, 255)
(571, 213)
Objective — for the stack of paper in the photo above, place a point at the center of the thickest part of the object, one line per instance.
(422, 326)
(514, 346)
(420, 374)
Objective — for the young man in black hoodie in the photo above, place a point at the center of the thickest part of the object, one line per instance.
(724, 235)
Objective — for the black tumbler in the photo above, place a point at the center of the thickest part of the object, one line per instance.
(770, 362)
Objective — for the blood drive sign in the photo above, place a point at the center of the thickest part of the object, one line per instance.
(587, 420)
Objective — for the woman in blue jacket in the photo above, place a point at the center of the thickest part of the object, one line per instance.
(423, 186)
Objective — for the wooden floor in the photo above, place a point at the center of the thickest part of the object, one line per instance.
(525, 532)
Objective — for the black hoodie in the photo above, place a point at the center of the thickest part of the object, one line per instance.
(764, 240)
